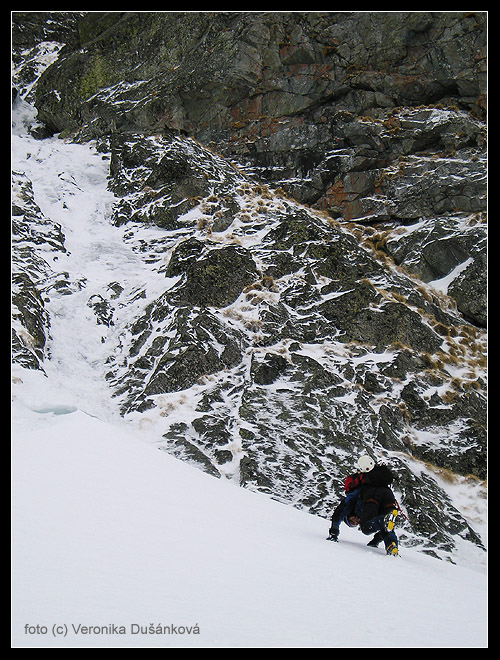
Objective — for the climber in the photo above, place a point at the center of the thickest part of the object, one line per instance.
(348, 511)
(369, 503)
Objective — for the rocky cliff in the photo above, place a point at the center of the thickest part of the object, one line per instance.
(317, 186)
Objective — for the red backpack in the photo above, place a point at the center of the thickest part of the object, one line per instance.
(353, 481)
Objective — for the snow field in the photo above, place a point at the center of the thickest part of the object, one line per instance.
(107, 531)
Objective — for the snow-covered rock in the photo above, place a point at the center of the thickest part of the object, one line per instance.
(249, 334)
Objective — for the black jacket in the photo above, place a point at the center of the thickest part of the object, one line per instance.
(376, 496)
(380, 475)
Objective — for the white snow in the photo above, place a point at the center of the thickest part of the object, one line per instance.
(109, 531)
(112, 538)
(443, 283)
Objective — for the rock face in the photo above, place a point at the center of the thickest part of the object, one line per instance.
(373, 117)
(31, 232)
(319, 180)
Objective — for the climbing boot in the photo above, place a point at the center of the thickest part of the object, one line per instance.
(392, 549)
(376, 540)
(390, 520)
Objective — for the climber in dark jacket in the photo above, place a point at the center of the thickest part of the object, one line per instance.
(348, 512)
(369, 502)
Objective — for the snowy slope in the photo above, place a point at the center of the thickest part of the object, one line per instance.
(107, 531)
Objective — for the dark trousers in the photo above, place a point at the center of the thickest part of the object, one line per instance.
(376, 526)
(377, 502)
